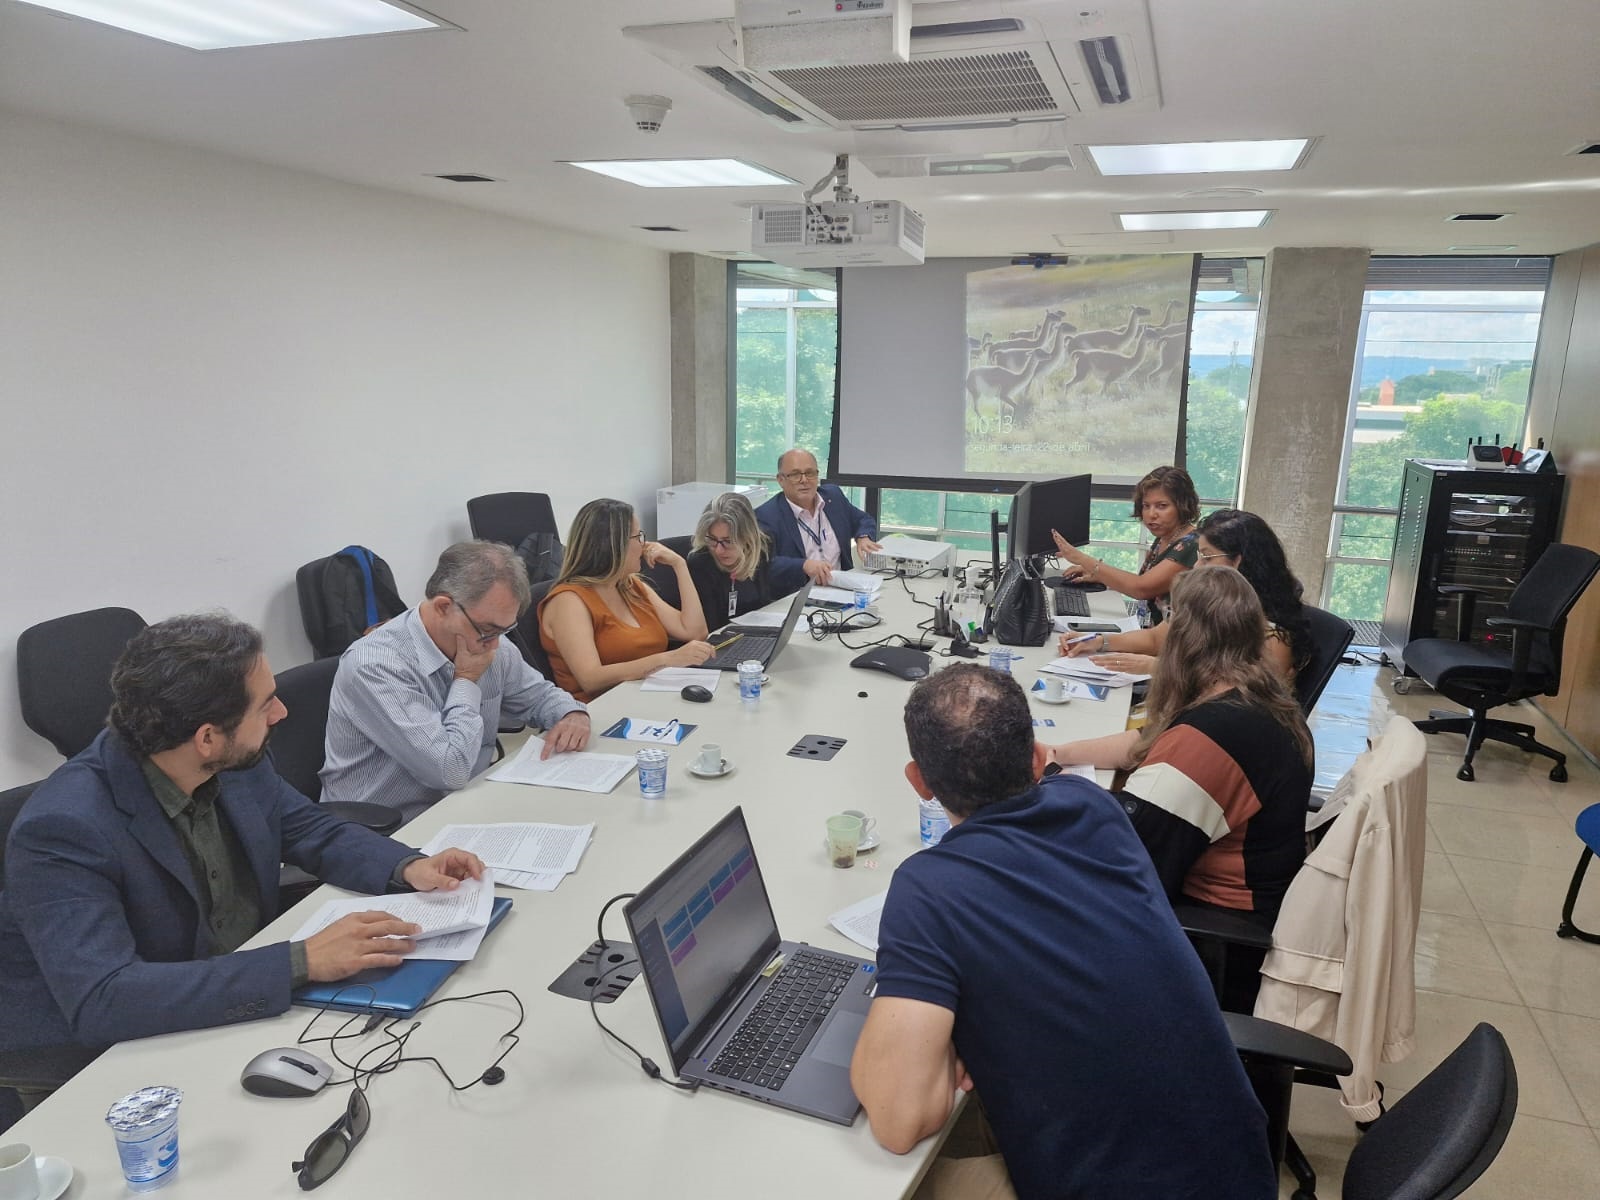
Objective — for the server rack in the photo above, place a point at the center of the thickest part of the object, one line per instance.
(1466, 528)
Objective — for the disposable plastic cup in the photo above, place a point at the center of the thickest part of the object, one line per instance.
(844, 835)
(652, 764)
(145, 1124)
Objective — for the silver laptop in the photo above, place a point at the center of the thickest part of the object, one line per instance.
(707, 942)
(735, 642)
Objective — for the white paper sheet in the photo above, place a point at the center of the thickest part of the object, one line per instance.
(453, 923)
(831, 595)
(520, 847)
(577, 771)
(859, 922)
(855, 581)
(1084, 668)
(761, 620)
(675, 679)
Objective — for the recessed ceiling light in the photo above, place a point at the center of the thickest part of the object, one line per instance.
(1241, 219)
(687, 172)
(225, 24)
(1190, 158)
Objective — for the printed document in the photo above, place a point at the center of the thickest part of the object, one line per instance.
(453, 923)
(675, 679)
(638, 729)
(517, 846)
(576, 770)
(859, 922)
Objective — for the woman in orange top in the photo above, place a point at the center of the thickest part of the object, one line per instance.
(601, 623)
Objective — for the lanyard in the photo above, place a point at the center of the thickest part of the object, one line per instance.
(815, 534)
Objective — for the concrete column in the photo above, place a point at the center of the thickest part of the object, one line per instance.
(1300, 398)
(700, 400)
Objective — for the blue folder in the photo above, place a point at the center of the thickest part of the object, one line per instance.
(390, 991)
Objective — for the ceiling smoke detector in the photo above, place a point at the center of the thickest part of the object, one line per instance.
(648, 112)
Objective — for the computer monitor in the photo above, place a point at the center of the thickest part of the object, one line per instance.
(1043, 505)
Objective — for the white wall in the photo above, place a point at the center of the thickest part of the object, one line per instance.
(213, 371)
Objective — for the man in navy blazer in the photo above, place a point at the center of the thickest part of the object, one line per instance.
(138, 868)
(811, 525)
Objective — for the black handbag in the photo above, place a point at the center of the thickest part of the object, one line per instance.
(1021, 613)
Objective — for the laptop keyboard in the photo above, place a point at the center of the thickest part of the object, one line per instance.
(751, 645)
(1068, 602)
(782, 1024)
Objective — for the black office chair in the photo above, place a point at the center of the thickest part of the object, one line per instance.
(1330, 637)
(526, 637)
(1442, 1134)
(665, 580)
(64, 674)
(43, 1068)
(1487, 676)
(511, 516)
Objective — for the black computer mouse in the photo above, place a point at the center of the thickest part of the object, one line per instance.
(694, 692)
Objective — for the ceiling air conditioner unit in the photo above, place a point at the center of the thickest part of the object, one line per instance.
(856, 233)
(822, 33)
(974, 64)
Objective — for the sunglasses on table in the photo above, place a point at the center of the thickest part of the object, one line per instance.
(329, 1150)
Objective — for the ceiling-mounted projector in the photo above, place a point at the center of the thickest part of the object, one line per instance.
(842, 232)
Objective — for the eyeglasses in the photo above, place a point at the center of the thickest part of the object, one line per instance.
(1215, 554)
(639, 537)
(797, 476)
(329, 1150)
(485, 636)
(721, 543)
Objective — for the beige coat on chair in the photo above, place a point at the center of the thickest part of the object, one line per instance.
(1341, 965)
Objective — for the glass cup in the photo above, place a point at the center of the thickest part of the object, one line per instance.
(652, 764)
(844, 835)
(145, 1124)
(19, 1174)
(710, 760)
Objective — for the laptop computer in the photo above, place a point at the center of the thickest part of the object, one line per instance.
(738, 643)
(707, 945)
(392, 991)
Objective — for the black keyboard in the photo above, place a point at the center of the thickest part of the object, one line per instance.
(781, 1025)
(1069, 602)
(752, 645)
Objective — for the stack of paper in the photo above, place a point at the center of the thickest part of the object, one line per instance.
(529, 855)
(1083, 668)
(844, 585)
(577, 770)
(453, 923)
(675, 679)
(859, 922)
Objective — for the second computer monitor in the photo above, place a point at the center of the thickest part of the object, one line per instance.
(1046, 504)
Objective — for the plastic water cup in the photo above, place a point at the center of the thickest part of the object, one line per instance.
(1000, 660)
(750, 672)
(933, 822)
(860, 601)
(652, 764)
(145, 1124)
(844, 835)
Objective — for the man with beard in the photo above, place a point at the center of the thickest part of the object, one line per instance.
(137, 870)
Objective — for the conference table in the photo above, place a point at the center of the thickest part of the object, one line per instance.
(575, 1115)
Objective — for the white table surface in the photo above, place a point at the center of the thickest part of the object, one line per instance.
(575, 1116)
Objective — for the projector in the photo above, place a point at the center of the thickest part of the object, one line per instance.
(912, 556)
(851, 233)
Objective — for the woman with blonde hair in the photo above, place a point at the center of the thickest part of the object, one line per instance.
(731, 560)
(601, 623)
(1221, 772)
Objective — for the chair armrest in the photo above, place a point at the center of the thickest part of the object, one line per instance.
(1521, 649)
(1514, 623)
(1467, 610)
(1225, 927)
(1258, 1039)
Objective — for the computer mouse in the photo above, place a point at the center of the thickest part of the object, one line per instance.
(286, 1071)
(696, 693)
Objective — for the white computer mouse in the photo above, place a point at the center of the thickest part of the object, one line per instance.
(286, 1071)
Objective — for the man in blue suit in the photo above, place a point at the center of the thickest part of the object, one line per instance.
(811, 525)
(137, 870)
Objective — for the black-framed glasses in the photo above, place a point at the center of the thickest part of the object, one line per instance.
(330, 1148)
(485, 636)
(797, 476)
(638, 536)
(721, 543)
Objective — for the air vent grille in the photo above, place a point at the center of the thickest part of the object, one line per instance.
(914, 226)
(744, 93)
(959, 29)
(925, 89)
(783, 226)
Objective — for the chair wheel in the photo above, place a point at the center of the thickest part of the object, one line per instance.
(1466, 773)
(1401, 685)
(1564, 930)
(1558, 773)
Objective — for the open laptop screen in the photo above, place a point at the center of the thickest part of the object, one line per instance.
(703, 928)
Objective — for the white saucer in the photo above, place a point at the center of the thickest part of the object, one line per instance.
(1042, 698)
(55, 1174)
(694, 769)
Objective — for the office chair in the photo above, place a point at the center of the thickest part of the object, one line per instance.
(64, 674)
(1442, 1134)
(1588, 828)
(1330, 636)
(665, 580)
(511, 516)
(526, 637)
(41, 1068)
(1486, 676)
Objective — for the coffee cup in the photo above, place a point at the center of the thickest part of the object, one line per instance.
(844, 835)
(868, 824)
(19, 1174)
(710, 760)
(1055, 687)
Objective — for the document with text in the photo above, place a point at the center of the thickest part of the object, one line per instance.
(675, 679)
(453, 923)
(859, 922)
(577, 771)
(518, 847)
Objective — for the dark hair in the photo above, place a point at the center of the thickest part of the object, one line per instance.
(1175, 482)
(971, 735)
(180, 674)
(1246, 537)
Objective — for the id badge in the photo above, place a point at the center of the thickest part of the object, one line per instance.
(733, 602)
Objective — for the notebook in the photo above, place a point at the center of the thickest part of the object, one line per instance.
(737, 643)
(392, 991)
(707, 942)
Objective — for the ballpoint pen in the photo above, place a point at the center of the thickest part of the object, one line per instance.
(729, 642)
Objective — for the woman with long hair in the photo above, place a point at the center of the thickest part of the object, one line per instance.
(1229, 537)
(731, 560)
(1166, 504)
(601, 623)
(1221, 772)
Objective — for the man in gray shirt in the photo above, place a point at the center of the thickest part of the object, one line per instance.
(417, 702)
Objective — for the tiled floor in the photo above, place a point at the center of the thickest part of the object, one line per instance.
(1500, 856)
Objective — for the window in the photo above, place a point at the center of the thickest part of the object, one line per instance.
(785, 352)
(1445, 357)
